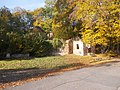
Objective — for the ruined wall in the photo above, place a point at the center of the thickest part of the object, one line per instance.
(78, 48)
(68, 49)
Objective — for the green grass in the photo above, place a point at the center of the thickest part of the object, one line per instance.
(43, 63)
(53, 62)
(17, 71)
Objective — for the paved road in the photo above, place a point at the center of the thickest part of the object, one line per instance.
(104, 77)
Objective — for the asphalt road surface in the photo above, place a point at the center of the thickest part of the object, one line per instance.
(102, 77)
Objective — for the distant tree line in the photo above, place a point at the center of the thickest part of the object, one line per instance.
(96, 22)
(18, 35)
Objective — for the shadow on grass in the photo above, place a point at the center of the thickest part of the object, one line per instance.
(69, 65)
(13, 75)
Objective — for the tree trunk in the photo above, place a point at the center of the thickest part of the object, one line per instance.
(104, 49)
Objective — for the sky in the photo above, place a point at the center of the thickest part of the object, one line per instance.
(26, 4)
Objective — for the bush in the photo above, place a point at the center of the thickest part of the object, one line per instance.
(111, 54)
(33, 43)
(37, 45)
(56, 43)
(3, 43)
(44, 49)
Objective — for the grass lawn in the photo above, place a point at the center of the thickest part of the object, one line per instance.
(17, 70)
(53, 62)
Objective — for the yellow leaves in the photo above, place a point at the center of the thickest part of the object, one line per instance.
(57, 25)
(36, 23)
(100, 20)
(37, 12)
(87, 36)
(111, 21)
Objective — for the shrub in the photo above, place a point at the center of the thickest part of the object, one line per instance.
(37, 45)
(44, 49)
(111, 54)
(33, 43)
(56, 43)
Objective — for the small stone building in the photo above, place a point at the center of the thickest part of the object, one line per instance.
(76, 47)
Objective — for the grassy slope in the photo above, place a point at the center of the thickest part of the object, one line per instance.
(16, 72)
(52, 62)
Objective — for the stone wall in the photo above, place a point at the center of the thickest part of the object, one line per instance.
(17, 55)
(76, 47)
(68, 49)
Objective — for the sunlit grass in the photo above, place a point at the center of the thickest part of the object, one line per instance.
(53, 62)
(44, 63)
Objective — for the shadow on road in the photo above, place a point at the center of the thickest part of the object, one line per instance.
(13, 75)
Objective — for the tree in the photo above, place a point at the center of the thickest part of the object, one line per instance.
(5, 26)
(100, 20)
(17, 34)
(22, 19)
(62, 20)
(5, 18)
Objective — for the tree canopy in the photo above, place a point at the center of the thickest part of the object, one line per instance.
(96, 22)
